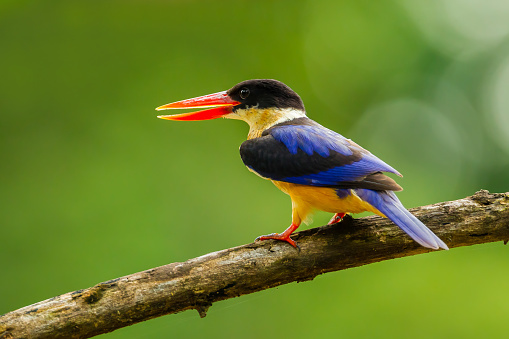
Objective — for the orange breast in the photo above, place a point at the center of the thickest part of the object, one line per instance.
(324, 199)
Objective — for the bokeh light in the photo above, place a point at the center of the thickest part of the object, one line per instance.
(497, 104)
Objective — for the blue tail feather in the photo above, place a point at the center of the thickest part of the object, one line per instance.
(388, 203)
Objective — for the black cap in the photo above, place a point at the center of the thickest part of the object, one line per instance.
(265, 93)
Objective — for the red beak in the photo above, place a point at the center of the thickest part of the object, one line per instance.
(221, 102)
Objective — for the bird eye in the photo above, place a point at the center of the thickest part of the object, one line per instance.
(244, 93)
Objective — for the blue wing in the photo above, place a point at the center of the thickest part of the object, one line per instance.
(307, 153)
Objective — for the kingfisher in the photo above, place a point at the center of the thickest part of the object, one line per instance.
(318, 168)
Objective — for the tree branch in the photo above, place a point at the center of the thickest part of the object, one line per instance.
(198, 282)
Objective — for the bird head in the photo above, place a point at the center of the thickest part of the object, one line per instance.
(260, 102)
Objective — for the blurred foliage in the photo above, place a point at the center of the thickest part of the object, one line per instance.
(95, 187)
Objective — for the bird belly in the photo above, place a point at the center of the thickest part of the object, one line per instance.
(325, 198)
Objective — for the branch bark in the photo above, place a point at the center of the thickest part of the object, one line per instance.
(198, 282)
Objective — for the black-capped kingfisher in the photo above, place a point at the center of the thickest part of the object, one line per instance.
(318, 168)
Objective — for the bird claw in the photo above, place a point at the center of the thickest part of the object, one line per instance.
(277, 236)
(336, 218)
(285, 236)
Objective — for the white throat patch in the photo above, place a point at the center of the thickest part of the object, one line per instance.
(260, 119)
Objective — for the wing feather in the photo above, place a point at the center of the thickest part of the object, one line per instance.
(311, 154)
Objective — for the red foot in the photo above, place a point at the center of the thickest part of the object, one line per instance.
(285, 236)
(336, 218)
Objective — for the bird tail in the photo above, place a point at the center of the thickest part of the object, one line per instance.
(388, 203)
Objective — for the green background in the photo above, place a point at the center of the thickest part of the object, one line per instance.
(94, 187)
